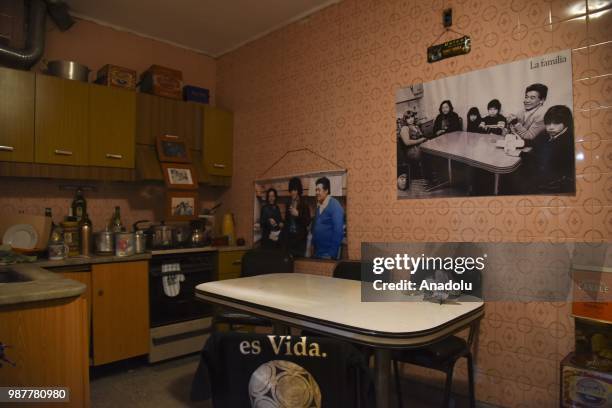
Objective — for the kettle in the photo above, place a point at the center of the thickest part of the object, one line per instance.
(197, 233)
(143, 236)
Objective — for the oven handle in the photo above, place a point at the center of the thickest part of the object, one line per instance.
(158, 341)
(156, 272)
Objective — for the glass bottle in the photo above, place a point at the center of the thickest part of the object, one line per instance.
(49, 215)
(79, 205)
(115, 222)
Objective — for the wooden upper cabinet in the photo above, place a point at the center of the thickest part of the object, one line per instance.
(112, 126)
(163, 116)
(120, 314)
(62, 121)
(218, 144)
(16, 115)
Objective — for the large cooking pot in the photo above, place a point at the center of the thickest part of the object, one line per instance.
(105, 243)
(162, 236)
(68, 70)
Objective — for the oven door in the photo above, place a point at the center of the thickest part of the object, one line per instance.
(166, 309)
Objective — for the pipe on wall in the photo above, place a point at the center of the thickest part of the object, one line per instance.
(35, 43)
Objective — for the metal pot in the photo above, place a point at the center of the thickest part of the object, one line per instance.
(105, 244)
(68, 70)
(162, 236)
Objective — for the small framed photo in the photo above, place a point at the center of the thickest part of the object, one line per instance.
(172, 149)
(180, 176)
(182, 205)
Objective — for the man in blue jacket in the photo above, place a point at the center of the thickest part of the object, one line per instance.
(328, 225)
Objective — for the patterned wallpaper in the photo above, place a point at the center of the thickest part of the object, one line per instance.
(328, 83)
(138, 201)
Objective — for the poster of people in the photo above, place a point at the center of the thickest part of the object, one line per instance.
(304, 214)
(503, 130)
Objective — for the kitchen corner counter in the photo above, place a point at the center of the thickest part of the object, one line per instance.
(41, 285)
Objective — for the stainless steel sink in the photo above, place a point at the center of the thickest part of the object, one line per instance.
(10, 276)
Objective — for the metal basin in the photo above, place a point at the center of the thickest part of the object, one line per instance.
(68, 70)
(10, 276)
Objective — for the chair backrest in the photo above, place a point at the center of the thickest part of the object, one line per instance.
(246, 369)
(427, 128)
(475, 278)
(348, 270)
(352, 270)
(264, 261)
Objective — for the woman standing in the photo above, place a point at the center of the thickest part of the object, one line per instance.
(270, 220)
(297, 219)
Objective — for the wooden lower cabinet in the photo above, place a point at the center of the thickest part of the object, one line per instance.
(83, 276)
(48, 344)
(230, 264)
(120, 311)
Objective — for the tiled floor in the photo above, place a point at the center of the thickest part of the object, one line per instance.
(135, 383)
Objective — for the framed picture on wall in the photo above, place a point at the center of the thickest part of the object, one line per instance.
(182, 205)
(287, 214)
(179, 176)
(173, 149)
(503, 130)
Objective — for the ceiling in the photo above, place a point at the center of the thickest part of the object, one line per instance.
(212, 27)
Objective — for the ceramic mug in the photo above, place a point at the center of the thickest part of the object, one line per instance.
(58, 251)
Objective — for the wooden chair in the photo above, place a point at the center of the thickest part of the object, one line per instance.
(256, 262)
(442, 355)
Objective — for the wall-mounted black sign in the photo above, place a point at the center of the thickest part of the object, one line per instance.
(449, 49)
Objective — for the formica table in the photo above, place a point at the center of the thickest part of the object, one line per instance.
(333, 307)
(474, 149)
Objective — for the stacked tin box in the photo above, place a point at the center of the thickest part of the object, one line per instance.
(586, 374)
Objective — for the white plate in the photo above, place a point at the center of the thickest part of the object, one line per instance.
(22, 236)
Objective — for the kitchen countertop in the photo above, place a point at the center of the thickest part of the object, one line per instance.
(43, 285)
(47, 285)
(89, 260)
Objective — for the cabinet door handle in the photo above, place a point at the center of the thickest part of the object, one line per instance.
(7, 148)
(237, 262)
(114, 156)
(100, 292)
(63, 152)
(218, 166)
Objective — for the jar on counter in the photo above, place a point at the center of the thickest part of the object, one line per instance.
(71, 237)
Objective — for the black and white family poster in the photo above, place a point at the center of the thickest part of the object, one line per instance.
(503, 130)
